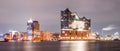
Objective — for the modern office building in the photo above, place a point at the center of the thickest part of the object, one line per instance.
(33, 29)
(73, 26)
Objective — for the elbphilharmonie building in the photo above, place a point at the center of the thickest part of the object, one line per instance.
(73, 26)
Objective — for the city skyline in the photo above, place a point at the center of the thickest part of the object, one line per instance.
(14, 14)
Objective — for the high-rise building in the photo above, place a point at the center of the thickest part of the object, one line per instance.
(29, 29)
(74, 27)
(33, 29)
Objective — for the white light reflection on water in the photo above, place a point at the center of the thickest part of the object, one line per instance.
(74, 45)
(28, 46)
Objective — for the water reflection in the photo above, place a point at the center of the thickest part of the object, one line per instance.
(28, 46)
(74, 45)
(61, 46)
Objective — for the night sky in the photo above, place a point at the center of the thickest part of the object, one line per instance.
(104, 14)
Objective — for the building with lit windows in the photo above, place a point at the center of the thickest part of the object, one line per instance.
(29, 29)
(73, 26)
(33, 30)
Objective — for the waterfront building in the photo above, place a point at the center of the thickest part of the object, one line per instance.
(15, 36)
(49, 36)
(29, 29)
(33, 30)
(73, 26)
(46, 36)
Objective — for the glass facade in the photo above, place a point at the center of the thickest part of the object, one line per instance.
(73, 26)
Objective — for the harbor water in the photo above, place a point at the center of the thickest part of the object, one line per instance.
(61, 46)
